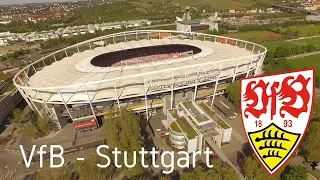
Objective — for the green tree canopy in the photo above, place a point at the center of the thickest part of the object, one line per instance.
(294, 173)
(311, 144)
(89, 170)
(123, 131)
(63, 173)
(16, 113)
(254, 171)
(233, 91)
(219, 171)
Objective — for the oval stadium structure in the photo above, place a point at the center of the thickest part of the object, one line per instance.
(144, 70)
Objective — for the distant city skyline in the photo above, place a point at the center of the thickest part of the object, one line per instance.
(9, 2)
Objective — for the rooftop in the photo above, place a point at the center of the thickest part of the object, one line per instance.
(190, 22)
(210, 112)
(184, 125)
(194, 111)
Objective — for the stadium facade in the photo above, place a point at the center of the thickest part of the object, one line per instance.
(143, 70)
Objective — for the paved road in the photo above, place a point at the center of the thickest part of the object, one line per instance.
(224, 158)
(308, 37)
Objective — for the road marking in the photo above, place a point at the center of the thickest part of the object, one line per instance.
(80, 159)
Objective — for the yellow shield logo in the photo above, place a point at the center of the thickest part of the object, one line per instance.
(275, 111)
(273, 144)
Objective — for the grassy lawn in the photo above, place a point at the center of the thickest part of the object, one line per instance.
(308, 30)
(218, 4)
(184, 125)
(256, 36)
(271, 46)
(207, 109)
(194, 111)
(314, 41)
(222, 124)
(306, 62)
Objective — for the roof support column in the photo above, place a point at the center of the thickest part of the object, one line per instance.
(253, 48)
(36, 108)
(25, 98)
(78, 49)
(26, 74)
(65, 105)
(235, 71)
(249, 67)
(214, 91)
(90, 45)
(93, 113)
(54, 57)
(136, 35)
(44, 63)
(34, 68)
(172, 86)
(65, 51)
(245, 46)
(216, 85)
(125, 37)
(115, 90)
(145, 97)
(260, 62)
(196, 86)
(45, 103)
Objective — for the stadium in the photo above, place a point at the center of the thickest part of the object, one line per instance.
(142, 70)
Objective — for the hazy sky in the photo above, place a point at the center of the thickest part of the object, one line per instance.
(5, 2)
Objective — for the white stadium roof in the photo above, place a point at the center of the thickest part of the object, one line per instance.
(130, 80)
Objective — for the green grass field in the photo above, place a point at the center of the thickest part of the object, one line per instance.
(309, 30)
(271, 46)
(256, 36)
(217, 4)
(306, 62)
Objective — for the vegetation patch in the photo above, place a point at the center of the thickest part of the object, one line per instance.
(257, 36)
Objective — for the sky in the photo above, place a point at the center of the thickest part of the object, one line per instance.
(7, 2)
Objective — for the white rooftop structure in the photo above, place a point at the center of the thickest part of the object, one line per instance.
(69, 77)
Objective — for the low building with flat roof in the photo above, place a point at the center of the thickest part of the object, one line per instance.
(192, 123)
(225, 107)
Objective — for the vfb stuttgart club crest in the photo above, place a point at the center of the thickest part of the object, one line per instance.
(275, 112)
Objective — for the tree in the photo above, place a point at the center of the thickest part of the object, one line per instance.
(63, 173)
(310, 48)
(233, 91)
(294, 173)
(123, 132)
(16, 116)
(311, 144)
(89, 170)
(219, 171)
(272, 65)
(254, 171)
(316, 108)
(30, 131)
(281, 51)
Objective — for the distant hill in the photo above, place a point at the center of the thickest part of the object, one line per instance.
(217, 4)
